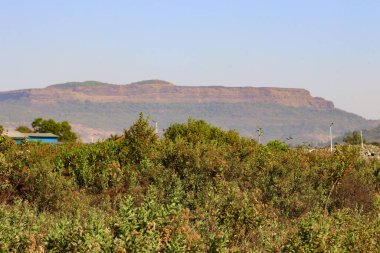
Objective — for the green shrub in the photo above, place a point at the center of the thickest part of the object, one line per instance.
(197, 189)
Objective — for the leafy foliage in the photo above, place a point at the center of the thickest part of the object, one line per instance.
(199, 131)
(140, 141)
(196, 189)
(62, 129)
(24, 129)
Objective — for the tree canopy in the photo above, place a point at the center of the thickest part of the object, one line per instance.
(140, 139)
(24, 129)
(62, 129)
(200, 131)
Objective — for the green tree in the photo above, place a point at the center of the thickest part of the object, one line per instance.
(24, 129)
(199, 131)
(1, 129)
(62, 129)
(353, 139)
(141, 140)
(277, 145)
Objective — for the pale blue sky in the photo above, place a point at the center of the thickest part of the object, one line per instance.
(330, 47)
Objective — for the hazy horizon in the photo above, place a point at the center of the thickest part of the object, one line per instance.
(329, 48)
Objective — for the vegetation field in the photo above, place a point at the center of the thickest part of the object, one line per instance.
(196, 189)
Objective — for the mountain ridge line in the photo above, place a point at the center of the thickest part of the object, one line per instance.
(158, 91)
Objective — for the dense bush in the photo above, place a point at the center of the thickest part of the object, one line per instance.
(196, 189)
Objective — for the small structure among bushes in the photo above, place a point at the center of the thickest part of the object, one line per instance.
(43, 137)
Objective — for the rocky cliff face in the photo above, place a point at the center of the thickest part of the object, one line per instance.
(156, 91)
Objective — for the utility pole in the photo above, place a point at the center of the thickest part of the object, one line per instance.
(361, 138)
(260, 133)
(331, 141)
(92, 138)
(156, 126)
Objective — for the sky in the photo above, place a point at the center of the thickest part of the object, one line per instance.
(329, 47)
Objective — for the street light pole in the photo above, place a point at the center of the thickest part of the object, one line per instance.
(260, 132)
(361, 138)
(331, 142)
(156, 126)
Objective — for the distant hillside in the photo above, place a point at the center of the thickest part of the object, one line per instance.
(97, 109)
(157, 91)
(372, 135)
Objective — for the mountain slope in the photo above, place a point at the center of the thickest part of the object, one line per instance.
(156, 91)
(98, 109)
(372, 135)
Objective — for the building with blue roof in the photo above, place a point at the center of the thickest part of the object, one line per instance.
(42, 137)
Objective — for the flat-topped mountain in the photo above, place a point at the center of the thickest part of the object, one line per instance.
(157, 91)
(97, 109)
